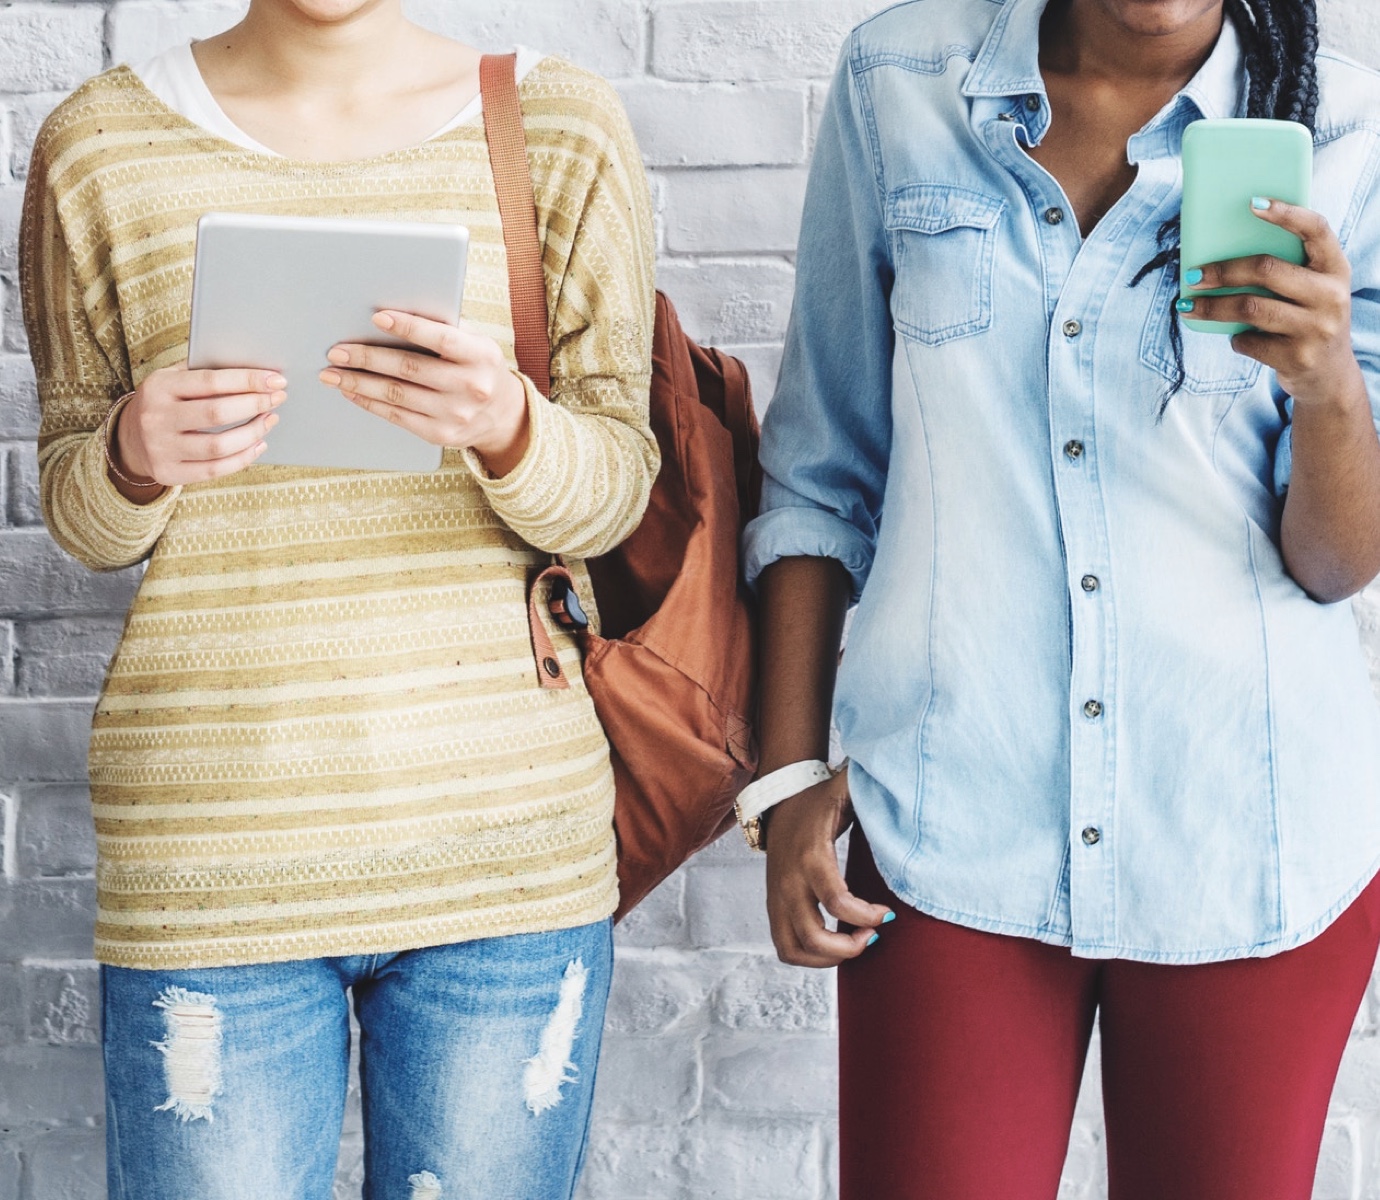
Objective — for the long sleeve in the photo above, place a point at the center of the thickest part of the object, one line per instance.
(826, 441)
(584, 482)
(84, 512)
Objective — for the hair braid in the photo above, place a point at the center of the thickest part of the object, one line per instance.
(1279, 39)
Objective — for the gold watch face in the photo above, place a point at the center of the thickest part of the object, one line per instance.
(752, 830)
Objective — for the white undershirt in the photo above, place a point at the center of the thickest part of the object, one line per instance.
(175, 79)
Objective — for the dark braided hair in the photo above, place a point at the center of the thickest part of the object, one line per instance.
(1280, 40)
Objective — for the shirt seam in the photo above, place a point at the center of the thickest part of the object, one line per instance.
(1276, 829)
(857, 89)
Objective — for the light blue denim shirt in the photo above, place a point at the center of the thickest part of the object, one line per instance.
(1083, 699)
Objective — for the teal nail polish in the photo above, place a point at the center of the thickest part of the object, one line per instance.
(872, 940)
(1260, 204)
(1184, 306)
(887, 920)
(1194, 277)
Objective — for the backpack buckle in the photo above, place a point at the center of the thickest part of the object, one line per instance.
(565, 608)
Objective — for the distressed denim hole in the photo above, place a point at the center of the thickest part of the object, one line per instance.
(551, 1067)
(425, 1186)
(191, 1053)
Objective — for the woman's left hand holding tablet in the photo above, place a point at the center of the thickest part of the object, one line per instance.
(461, 394)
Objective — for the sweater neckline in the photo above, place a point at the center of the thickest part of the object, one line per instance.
(130, 77)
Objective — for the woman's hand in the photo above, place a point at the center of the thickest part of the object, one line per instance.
(1304, 336)
(803, 873)
(462, 394)
(1330, 528)
(162, 433)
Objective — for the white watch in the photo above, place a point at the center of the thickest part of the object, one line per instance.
(762, 794)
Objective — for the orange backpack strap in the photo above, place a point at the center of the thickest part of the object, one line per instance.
(518, 210)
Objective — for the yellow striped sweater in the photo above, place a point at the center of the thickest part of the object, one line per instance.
(322, 732)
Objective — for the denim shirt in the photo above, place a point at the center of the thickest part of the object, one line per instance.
(1083, 699)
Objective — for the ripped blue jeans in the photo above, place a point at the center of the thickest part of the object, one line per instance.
(477, 1069)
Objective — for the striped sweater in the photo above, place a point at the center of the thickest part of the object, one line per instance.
(322, 732)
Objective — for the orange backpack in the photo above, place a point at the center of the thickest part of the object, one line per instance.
(672, 674)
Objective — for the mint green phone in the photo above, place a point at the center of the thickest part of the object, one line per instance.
(1226, 164)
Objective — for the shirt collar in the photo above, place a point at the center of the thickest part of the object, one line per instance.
(1009, 64)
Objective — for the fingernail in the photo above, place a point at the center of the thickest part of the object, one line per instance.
(1184, 306)
(873, 939)
(273, 419)
(887, 920)
(277, 398)
(338, 356)
(384, 321)
(276, 381)
(330, 378)
(1194, 277)
(1260, 204)
(260, 448)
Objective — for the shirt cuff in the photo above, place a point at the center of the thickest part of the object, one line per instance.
(806, 533)
(526, 495)
(131, 527)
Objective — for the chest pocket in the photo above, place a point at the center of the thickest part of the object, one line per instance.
(943, 242)
(1212, 366)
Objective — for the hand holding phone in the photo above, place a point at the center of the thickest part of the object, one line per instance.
(1229, 167)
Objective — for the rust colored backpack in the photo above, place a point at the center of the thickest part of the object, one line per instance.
(672, 674)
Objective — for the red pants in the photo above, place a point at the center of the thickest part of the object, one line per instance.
(961, 1055)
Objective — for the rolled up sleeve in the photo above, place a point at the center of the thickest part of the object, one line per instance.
(826, 440)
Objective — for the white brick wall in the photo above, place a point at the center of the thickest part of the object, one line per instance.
(718, 1075)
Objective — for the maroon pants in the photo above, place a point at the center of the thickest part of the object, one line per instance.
(961, 1055)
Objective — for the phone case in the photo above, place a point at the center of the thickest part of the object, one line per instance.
(1226, 164)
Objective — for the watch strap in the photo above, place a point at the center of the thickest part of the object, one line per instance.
(780, 785)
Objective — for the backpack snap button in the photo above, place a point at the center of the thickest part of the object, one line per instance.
(551, 667)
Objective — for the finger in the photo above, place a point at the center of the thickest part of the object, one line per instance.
(449, 341)
(1263, 347)
(381, 388)
(1285, 279)
(217, 468)
(200, 415)
(207, 447)
(827, 883)
(190, 385)
(822, 947)
(1265, 313)
(1320, 244)
(426, 428)
(407, 365)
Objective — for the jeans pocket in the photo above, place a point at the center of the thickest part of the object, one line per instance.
(943, 241)
(1211, 366)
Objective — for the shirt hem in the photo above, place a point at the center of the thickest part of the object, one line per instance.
(1093, 950)
(343, 943)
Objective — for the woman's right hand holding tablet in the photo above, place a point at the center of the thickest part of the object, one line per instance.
(173, 429)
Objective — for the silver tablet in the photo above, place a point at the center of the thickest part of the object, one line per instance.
(278, 292)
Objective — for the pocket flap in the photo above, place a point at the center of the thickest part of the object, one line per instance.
(939, 207)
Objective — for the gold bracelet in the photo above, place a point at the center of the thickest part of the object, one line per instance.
(106, 426)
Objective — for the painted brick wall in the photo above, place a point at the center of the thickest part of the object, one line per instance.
(718, 1073)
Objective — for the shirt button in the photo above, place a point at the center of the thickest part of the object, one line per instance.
(1072, 328)
(1032, 103)
(1092, 835)
(1092, 709)
(1090, 583)
(1054, 216)
(1073, 450)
